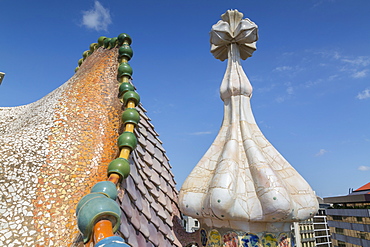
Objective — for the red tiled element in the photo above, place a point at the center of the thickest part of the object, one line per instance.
(365, 187)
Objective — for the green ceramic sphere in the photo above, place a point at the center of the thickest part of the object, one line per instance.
(130, 115)
(124, 38)
(107, 42)
(80, 61)
(106, 188)
(127, 139)
(87, 198)
(124, 87)
(113, 42)
(85, 54)
(120, 166)
(124, 69)
(93, 47)
(101, 40)
(126, 51)
(95, 209)
(77, 68)
(131, 95)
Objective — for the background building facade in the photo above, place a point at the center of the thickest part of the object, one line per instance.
(349, 218)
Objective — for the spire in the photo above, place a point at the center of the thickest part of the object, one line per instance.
(242, 182)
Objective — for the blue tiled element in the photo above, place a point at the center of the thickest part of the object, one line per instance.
(114, 241)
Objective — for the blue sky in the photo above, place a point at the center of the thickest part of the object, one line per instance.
(310, 73)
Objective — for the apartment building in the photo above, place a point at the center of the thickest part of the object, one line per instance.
(349, 218)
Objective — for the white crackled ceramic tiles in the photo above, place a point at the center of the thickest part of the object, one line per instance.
(243, 182)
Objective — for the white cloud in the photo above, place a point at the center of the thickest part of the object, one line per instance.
(321, 152)
(360, 61)
(201, 133)
(360, 74)
(283, 68)
(97, 18)
(290, 90)
(364, 168)
(280, 99)
(364, 94)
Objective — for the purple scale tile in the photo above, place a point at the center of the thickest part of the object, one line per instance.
(170, 193)
(154, 192)
(149, 197)
(143, 189)
(166, 157)
(133, 173)
(141, 139)
(168, 218)
(171, 174)
(162, 213)
(162, 199)
(162, 241)
(171, 182)
(141, 241)
(124, 226)
(150, 148)
(155, 177)
(151, 126)
(126, 206)
(135, 221)
(141, 107)
(143, 226)
(159, 146)
(140, 150)
(153, 233)
(163, 185)
(165, 175)
(143, 131)
(159, 156)
(148, 159)
(155, 206)
(152, 131)
(147, 171)
(131, 188)
(143, 121)
(140, 162)
(146, 210)
(157, 165)
(152, 137)
(143, 176)
(155, 219)
(169, 205)
(132, 238)
(163, 228)
(138, 202)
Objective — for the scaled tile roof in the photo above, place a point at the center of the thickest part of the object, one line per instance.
(148, 196)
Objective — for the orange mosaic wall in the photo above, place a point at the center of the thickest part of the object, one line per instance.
(74, 137)
(83, 144)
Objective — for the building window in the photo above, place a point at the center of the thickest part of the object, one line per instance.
(341, 244)
(362, 235)
(336, 217)
(339, 230)
(359, 219)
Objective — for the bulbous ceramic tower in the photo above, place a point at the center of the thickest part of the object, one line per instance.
(243, 186)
